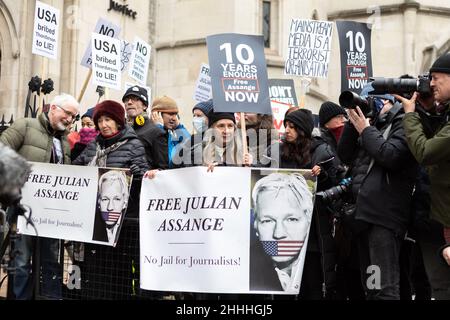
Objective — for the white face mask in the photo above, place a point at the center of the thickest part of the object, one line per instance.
(199, 124)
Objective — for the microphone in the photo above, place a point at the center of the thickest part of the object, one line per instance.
(14, 171)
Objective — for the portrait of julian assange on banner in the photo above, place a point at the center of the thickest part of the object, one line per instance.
(46, 31)
(309, 48)
(66, 202)
(356, 54)
(238, 73)
(236, 230)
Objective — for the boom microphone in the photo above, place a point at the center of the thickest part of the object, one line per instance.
(14, 171)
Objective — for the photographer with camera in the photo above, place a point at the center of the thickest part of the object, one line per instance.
(331, 188)
(332, 118)
(431, 149)
(383, 171)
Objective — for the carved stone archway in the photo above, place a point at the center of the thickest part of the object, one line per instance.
(10, 52)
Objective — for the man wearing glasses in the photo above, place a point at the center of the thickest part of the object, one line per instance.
(135, 101)
(42, 140)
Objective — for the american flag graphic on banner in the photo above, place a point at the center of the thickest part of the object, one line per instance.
(282, 248)
(111, 216)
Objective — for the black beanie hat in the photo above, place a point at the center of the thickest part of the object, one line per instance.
(329, 110)
(112, 109)
(204, 106)
(216, 116)
(137, 91)
(442, 64)
(302, 119)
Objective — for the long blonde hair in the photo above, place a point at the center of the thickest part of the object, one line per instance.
(233, 151)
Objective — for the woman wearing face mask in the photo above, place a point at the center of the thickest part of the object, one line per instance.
(87, 134)
(332, 118)
(200, 116)
(186, 156)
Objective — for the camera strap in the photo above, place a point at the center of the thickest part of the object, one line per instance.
(385, 136)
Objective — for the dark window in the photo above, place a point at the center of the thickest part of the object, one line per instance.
(266, 23)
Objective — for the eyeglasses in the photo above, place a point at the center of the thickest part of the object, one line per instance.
(75, 117)
(132, 98)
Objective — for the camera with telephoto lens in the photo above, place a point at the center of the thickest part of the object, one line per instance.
(336, 192)
(401, 86)
(350, 100)
(381, 86)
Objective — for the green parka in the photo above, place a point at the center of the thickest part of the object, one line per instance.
(33, 139)
(434, 154)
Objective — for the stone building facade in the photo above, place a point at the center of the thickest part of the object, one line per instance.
(406, 37)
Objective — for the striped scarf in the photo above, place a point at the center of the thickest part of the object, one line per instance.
(101, 155)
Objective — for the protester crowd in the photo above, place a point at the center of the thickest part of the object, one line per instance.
(389, 172)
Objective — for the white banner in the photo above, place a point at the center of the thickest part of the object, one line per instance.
(106, 66)
(203, 90)
(199, 231)
(140, 60)
(309, 48)
(103, 27)
(85, 204)
(46, 31)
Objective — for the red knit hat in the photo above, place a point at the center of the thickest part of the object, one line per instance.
(112, 109)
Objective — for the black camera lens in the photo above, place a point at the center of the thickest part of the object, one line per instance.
(336, 192)
(393, 85)
(349, 100)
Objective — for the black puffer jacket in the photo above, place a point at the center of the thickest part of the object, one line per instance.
(154, 140)
(383, 196)
(128, 154)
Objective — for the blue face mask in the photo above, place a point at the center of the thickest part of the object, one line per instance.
(199, 124)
